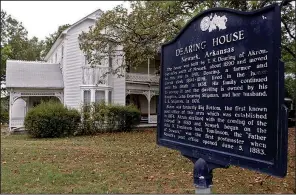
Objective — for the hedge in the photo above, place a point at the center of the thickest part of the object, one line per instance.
(99, 118)
(51, 119)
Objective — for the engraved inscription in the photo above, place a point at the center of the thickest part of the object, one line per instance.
(192, 87)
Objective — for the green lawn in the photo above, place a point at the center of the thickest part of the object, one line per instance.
(118, 163)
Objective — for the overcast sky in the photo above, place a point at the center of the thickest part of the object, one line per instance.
(42, 18)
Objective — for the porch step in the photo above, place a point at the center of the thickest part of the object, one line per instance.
(19, 130)
(145, 125)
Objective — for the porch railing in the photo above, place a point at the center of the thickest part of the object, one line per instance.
(153, 119)
(17, 122)
(140, 77)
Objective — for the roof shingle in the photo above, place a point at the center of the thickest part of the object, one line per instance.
(31, 74)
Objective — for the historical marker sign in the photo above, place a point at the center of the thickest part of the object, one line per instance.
(221, 91)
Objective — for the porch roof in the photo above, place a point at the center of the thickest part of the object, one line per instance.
(31, 74)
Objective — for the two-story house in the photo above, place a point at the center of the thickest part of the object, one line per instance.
(66, 75)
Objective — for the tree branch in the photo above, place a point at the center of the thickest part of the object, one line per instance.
(262, 4)
(288, 30)
(285, 2)
(289, 51)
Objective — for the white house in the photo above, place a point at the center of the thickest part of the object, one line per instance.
(66, 75)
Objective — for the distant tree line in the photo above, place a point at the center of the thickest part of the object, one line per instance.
(16, 45)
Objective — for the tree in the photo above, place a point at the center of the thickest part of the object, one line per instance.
(152, 23)
(140, 32)
(16, 45)
(13, 42)
(49, 41)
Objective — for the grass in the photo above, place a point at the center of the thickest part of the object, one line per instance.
(119, 163)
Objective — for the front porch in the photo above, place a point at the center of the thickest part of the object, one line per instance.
(28, 83)
(146, 102)
(142, 89)
(21, 102)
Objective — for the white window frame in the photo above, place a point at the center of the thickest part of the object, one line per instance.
(103, 96)
(84, 102)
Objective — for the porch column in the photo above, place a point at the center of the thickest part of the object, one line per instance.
(148, 69)
(92, 95)
(27, 104)
(26, 99)
(148, 98)
(107, 96)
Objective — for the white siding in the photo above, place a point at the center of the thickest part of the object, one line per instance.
(73, 65)
(118, 94)
(19, 109)
(57, 53)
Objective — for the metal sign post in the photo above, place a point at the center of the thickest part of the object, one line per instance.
(203, 174)
(202, 177)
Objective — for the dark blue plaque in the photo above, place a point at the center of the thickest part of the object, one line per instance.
(221, 90)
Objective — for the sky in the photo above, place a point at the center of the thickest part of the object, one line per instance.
(42, 18)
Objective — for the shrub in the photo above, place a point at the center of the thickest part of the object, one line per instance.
(4, 111)
(128, 117)
(51, 119)
(108, 118)
(4, 116)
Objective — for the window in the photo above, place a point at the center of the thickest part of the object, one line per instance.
(62, 51)
(99, 96)
(86, 97)
(110, 61)
(56, 58)
(85, 60)
(128, 68)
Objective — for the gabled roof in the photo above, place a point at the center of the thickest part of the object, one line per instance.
(91, 16)
(29, 74)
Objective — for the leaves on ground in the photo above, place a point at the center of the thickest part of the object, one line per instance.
(119, 163)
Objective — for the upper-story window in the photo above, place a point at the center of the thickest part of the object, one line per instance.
(105, 61)
(62, 51)
(110, 61)
(85, 60)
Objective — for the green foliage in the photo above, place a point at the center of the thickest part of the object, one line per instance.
(4, 117)
(51, 119)
(151, 23)
(4, 112)
(15, 43)
(49, 41)
(99, 118)
(290, 85)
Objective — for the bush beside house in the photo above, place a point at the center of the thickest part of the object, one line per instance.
(51, 119)
(4, 112)
(99, 118)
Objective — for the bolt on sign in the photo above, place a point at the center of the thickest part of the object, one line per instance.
(222, 90)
